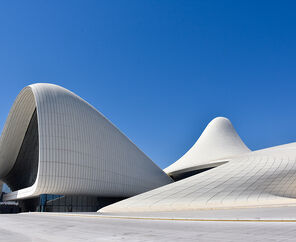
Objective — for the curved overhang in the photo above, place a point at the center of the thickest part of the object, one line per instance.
(219, 141)
(79, 151)
(15, 129)
(193, 170)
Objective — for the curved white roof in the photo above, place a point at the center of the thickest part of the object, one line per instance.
(218, 141)
(79, 150)
(261, 178)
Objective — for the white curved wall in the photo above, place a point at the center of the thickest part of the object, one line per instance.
(15, 128)
(260, 178)
(218, 142)
(80, 151)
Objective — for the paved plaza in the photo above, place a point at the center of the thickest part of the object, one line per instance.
(257, 224)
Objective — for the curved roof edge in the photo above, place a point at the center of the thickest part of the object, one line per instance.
(79, 150)
(219, 141)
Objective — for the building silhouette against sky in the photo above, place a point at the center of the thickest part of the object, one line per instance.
(58, 153)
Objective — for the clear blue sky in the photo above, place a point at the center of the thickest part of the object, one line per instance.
(160, 70)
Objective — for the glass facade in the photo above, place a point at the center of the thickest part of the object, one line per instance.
(59, 203)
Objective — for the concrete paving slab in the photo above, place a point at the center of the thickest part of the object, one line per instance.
(94, 227)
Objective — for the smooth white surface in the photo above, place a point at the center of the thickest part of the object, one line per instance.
(219, 141)
(275, 213)
(80, 151)
(15, 128)
(260, 178)
(85, 227)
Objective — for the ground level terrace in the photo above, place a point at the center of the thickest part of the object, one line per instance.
(256, 224)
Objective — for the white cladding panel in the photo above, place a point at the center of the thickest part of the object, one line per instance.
(15, 128)
(81, 152)
(260, 178)
(219, 141)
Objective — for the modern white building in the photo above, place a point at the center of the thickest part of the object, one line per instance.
(224, 173)
(217, 143)
(58, 153)
(54, 142)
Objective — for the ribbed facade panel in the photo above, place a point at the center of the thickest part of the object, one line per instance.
(81, 152)
(260, 178)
